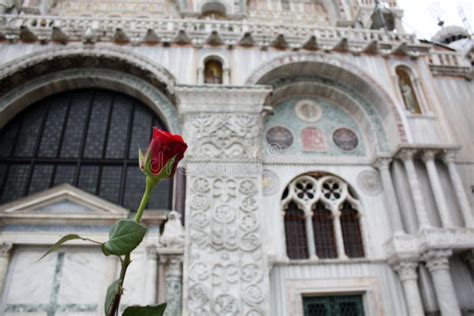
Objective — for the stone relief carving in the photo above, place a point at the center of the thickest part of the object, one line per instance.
(226, 276)
(224, 136)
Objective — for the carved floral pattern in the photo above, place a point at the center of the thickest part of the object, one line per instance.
(224, 136)
(226, 275)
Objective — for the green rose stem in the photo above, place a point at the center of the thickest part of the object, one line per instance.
(150, 184)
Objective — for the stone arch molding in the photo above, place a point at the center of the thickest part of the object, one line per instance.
(43, 86)
(35, 76)
(155, 73)
(344, 73)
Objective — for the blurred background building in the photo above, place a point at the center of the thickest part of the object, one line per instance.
(330, 168)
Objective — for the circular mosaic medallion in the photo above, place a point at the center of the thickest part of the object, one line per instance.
(345, 139)
(280, 136)
(308, 111)
(270, 182)
(369, 181)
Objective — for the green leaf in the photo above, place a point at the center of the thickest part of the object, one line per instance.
(149, 310)
(111, 295)
(59, 243)
(124, 236)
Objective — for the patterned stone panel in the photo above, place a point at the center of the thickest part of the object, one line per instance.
(226, 264)
(223, 136)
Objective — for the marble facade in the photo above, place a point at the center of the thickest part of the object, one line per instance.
(297, 98)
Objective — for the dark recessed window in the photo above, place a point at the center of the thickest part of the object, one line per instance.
(88, 138)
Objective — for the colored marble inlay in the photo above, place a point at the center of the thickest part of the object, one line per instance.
(279, 136)
(345, 139)
(313, 140)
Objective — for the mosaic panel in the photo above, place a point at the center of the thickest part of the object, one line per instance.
(314, 138)
(280, 136)
(345, 139)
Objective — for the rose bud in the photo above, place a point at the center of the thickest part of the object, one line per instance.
(162, 156)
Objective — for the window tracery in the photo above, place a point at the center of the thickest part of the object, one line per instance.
(328, 215)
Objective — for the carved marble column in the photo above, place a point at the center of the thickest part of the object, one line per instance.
(448, 159)
(341, 251)
(383, 165)
(174, 282)
(224, 270)
(5, 252)
(309, 234)
(152, 275)
(407, 272)
(406, 155)
(438, 192)
(437, 262)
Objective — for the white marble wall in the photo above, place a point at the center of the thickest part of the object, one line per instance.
(385, 291)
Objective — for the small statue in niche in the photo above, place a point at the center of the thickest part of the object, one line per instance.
(213, 72)
(173, 234)
(408, 93)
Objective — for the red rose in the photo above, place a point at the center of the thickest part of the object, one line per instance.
(163, 154)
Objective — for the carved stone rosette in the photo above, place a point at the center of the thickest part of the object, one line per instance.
(225, 269)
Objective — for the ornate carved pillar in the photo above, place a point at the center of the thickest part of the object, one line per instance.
(438, 192)
(171, 257)
(5, 252)
(225, 269)
(406, 155)
(437, 262)
(406, 270)
(448, 159)
(383, 165)
(152, 275)
(174, 283)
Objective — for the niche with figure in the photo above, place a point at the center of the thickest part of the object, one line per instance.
(213, 72)
(407, 90)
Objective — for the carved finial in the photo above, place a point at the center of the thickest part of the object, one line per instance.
(173, 234)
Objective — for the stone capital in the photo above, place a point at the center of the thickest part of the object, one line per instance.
(406, 154)
(437, 259)
(406, 269)
(382, 163)
(449, 156)
(5, 250)
(151, 252)
(429, 155)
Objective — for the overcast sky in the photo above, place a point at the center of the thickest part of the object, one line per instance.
(421, 15)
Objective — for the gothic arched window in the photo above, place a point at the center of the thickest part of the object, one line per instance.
(213, 72)
(407, 90)
(351, 231)
(295, 232)
(327, 212)
(88, 138)
(323, 230)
